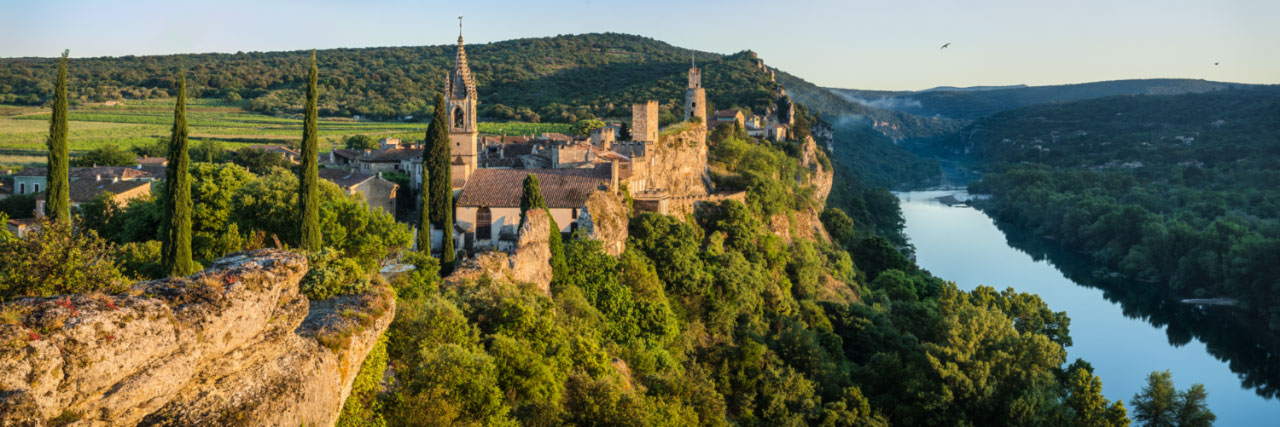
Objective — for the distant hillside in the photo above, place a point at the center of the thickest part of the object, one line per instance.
(975, 103)
(1233, 126)
(548, 79)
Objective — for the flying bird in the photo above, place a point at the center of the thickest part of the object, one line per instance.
(1215, 64)
(945, 46)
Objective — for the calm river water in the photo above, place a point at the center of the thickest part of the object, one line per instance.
(1124, 334)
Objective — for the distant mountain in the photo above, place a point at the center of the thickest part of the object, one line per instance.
(971, 88)
(978, 102)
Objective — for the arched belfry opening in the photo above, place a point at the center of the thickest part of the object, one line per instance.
(459, 119)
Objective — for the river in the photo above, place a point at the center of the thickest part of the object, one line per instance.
(1118, 328)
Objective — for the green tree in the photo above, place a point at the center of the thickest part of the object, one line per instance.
(530, 196)
(624, 132)
(1160, 405)
(309, 175)
(838, 225)
(424, 209)
(58, 188)
(1193, 411)
(1084, 398)
(209, 151)
(438, 157)
(175, 252)
(361, 142)
(260, 161)
(585, 126)
(107, 155)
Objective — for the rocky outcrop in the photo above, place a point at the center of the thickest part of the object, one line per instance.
(605, 218)
(530, 263)
(822, 177)
(235, 344)
(679, 161)
(805, 223)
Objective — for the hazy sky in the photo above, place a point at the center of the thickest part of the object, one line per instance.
(883, 44)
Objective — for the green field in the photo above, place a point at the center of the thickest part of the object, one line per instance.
(23, 129)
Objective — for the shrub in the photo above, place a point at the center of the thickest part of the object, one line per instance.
(57, 259)
(333, 274)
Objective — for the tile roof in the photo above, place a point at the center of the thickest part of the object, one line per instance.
(84, 190)
(561, 188)
(350, 154)
(153, 161)
(122, 172)
(344, 178)
(274, 148)
(392, 156)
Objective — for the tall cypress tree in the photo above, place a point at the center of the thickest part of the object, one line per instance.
(308, 182)
(447, 251)
(175, 248)
(424, 209)
(530, 196)
(438, 155)
(57, 184)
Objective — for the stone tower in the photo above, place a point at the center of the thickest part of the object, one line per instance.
(644, 122)
(461, 98)
(695, 97)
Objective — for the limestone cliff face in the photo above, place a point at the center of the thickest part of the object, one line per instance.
(235, 344)
(805, 223)
(530, 263)
(678, 161)
(605, 218)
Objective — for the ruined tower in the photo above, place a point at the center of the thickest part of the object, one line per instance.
(644, 122)
(695, 97)
(461, 97)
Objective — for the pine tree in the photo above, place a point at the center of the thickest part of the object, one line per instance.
(531, 196)
(57, 183)
(308, 182)
(175, 250)
(424, 209)
(438, 155)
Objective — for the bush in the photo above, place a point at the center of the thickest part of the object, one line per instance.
(140, 259)
(57, 259)
(333, 274)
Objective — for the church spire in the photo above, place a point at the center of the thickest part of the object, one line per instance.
(460, 84)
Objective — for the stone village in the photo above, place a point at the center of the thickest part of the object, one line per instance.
(582, 178)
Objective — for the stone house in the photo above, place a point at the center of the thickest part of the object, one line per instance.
(388, 160)
(346, 158)
(729, 116)
(85, 190)
(32, 180)
(288, 153)
(377, 192)
(488, 208)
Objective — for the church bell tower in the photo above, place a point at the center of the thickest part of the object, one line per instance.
(461, 98)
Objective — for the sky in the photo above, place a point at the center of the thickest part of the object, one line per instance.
(884, 44)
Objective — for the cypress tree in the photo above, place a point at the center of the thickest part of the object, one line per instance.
(424, 209)
(175, 250)
(531, 196)
(57, 184)
(447, 251)
(438, 154)
(308, 182)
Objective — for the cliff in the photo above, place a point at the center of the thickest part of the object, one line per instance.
(679, 161)
(529, 263)
(605, 218)
(235, 344)
(804, 223)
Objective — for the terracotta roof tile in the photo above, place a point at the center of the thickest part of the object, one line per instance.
(561, 188)
(393, 155)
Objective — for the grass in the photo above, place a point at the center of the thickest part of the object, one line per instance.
(23, 130)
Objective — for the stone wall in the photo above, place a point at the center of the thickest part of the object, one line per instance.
(644, 121)
(678, 161)
(234, 344)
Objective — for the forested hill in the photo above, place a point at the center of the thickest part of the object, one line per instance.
(1179, 191)
(968, 104)
(1221, 128)
(551, 79)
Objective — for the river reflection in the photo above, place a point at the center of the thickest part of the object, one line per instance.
(1125, 329)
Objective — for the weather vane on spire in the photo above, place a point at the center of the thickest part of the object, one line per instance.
(459, 25)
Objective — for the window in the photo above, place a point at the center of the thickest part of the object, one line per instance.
(484, 224)
(22, 188)
(573, 213)
(37, 188)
